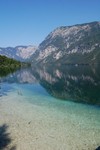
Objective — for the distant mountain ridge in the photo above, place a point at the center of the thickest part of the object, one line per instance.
(77, 44)
(21, 53)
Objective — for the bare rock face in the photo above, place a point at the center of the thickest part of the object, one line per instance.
(21, 53)
(78, 44)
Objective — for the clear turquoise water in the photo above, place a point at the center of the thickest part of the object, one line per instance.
(60, 94)
(88, 115)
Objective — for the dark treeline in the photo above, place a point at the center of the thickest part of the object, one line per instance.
(5, 62)
(9, 65)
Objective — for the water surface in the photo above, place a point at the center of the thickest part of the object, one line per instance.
(52, 107)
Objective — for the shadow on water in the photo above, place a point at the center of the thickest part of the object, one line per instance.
(5, 138)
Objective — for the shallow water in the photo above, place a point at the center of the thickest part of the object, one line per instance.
(52, 109)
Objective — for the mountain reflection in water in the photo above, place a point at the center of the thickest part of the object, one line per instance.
(79, 84)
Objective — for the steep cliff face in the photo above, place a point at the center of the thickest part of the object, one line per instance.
(21, 53)
(79, 44)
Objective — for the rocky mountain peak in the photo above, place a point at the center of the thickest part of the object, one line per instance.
(71, 44)
(21, 53)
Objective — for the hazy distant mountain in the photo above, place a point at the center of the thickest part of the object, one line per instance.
(78, 44)
(21, 53)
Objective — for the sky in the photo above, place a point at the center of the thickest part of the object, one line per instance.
(28, 22)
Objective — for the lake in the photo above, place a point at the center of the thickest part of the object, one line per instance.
(50, 108)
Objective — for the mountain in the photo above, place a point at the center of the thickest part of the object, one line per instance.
(21, 53)
(77, 44)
